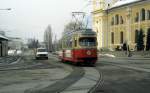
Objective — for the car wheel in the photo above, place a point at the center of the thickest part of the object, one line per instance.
(47, 58)
(37, 58)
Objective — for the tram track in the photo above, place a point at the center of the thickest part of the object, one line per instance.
(62, 84)
(120, 76)
(8, 60)
(99, 82)
(25, 64)
(88, 76)
(127, 66)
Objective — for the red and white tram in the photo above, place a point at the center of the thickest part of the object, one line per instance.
(79, 47)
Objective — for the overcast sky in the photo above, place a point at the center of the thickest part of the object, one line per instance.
(29, 18)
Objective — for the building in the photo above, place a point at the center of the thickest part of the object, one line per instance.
(3, 44)
(120, 21)
(15, 43)
(48, 38)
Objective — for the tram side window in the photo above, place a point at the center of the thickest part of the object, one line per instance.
(70, 44)
(75, 43)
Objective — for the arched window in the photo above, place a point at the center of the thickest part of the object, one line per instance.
(143, 14)
(136, 35)
(121, 37)
(112, 37)
(137, 17)
(121, 20)
(148, 15)
(112, 21)
(117, 19)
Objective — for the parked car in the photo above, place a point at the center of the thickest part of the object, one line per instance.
(41, 53)
(19, 52)
(11, 52)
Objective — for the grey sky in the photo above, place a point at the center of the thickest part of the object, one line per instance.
(29, 18)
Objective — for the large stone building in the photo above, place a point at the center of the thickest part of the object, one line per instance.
(119, 21)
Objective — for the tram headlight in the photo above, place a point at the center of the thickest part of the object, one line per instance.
(88, 52)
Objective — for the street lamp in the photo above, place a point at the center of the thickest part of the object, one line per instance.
(129, 30)
(6, 9)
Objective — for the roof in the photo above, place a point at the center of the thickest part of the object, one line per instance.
(123, 2)
(3, 37)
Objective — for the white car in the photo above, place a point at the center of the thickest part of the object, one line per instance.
(41, 53)
(11, 52)
(19, 52)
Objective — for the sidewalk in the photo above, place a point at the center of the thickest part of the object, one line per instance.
(122, 54)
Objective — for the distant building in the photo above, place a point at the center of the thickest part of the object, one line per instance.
(3, 44)
(15, 43)
(48, 38)
(120, 22)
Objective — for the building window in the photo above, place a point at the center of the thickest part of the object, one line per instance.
(121, 37)
(137, 17)
(112, 21)
(121, 20)
(117, 19)
(143, 14)
(148, 15)
(112, 37)
(136, 35)
(97, 22)
(97, 31)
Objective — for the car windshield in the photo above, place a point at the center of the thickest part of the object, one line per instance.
(86, 41)
(41, 50)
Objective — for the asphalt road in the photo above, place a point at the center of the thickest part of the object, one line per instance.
(28, 74)
(38, 76)
(110, 75)
(124, 75)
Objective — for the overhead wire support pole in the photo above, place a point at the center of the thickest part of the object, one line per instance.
(75, 16)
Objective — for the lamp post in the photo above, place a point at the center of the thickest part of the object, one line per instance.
(129, 30)
(6, 9)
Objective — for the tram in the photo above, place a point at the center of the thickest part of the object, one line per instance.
(79, 47)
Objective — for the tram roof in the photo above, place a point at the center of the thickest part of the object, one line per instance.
(81, 31)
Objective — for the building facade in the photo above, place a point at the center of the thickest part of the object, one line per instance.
(3, 45)
(120, 21)
(15, 43)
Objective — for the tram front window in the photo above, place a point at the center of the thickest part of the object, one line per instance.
(87, 41)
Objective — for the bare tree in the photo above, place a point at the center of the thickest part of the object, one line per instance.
(33, 43)
(48, 38)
